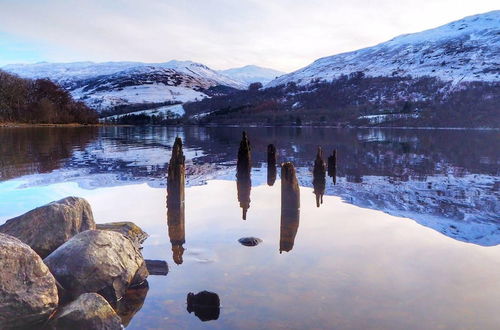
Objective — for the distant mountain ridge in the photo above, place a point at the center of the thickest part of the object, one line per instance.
(464, 50)
(106, 85)
(252, 73)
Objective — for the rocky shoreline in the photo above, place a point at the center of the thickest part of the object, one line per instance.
(61, 270)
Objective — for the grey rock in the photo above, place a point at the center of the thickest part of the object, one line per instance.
(46, 228)
(105, 262)
(88, 311)
(126, 228)
(28, 292)
(250, 241)
(157, 267)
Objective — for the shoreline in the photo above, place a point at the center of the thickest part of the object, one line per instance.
(21, 125)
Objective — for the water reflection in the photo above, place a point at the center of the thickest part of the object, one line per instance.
(40, 150)
(290, 207)
(176, 232)
(204, 304)
(447, 180)
(132, 302)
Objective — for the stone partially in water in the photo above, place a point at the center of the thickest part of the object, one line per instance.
(157, 267)
(126, 228)
(46, 228)
(28, 292)
(204, 304)
(250, 241)
(88, 311)
(99, 261)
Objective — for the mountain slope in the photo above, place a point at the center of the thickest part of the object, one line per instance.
(464, 50)
(252, 73)
(106, 85)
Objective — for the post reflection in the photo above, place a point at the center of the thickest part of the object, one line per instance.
(176, 232)
(290, 207)
(243, 179)
(319, 177)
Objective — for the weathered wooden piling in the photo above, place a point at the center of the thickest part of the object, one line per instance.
(332, 166)
(176, 232)
(271, 164)
(244, 163)
(319, 177)
(290, 207)
(243, 179)
(176, 175)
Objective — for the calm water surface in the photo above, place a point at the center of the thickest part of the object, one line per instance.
(408, 238)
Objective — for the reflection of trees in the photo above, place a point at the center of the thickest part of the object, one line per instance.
(398, 154)
(40, 149)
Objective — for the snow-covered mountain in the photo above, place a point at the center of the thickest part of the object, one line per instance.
(252, 73)
(464, 50)
(104, 85)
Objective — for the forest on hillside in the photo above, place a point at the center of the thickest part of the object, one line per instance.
(39, 101)
(358, 101)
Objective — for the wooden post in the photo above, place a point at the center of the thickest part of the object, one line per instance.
(319, 177)
(271, 164)
(332, 166)
(176, 175)
(243, 172)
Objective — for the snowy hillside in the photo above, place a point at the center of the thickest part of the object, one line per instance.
(105, 85)
(464, 50)
(252, 73)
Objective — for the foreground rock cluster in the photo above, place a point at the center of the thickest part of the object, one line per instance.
(61, 271)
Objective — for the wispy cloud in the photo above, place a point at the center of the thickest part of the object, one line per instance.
(283, 34)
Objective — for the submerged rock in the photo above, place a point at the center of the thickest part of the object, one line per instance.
(88, 311)
(28, 292)
(99, 261)
(250, 241)
(157, 267)
(204, 304)
(46, 228)
(126, 228)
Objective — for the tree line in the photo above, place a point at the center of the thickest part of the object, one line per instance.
(40, 101)
(348, 100)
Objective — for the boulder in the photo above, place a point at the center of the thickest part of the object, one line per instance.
(250, 241)
(46, 228)
(105, 262)
(28, 292)
(128, 229)
(88, 311)
(157, 267)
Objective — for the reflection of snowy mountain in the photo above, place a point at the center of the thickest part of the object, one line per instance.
(423, 175)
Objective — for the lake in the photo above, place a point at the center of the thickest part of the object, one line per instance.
(407, 238)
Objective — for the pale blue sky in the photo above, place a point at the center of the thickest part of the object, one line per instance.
(282, 34)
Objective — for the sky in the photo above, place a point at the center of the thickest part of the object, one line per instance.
(281, 34)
